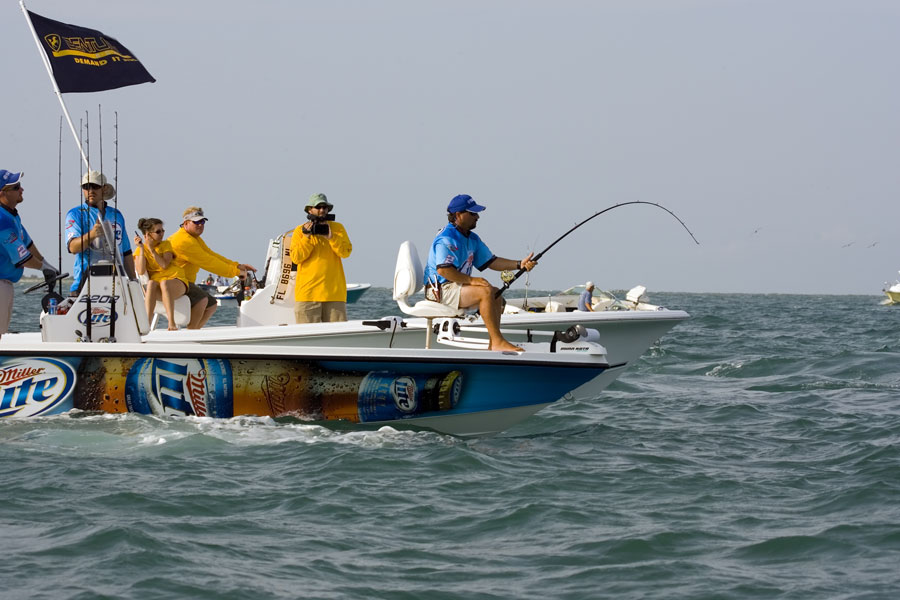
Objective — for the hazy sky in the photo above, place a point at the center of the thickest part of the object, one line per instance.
(772, 128)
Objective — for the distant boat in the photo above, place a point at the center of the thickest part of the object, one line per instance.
(224, 294)
(355, 290)
(892, 292)
(567, 301)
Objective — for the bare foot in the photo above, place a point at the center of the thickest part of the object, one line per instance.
(505, 346)
(173, 328)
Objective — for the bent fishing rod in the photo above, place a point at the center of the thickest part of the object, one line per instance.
(536, 258)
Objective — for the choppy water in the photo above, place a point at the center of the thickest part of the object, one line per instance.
(753, 453)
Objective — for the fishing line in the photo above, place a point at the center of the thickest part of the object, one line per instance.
(536, 258)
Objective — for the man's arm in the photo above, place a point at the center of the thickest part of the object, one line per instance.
(196, 252)
(506, 264)
(340, 241)
(79, 243)
(453, 274)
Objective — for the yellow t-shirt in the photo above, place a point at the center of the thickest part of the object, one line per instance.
(173, 271)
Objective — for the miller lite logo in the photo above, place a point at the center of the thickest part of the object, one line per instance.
(403, 389)
(179, 386)
(35, 386)
(99, 315)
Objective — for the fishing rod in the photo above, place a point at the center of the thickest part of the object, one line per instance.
(88, 321)
(115, 240)
(59, 204)
(536, 258)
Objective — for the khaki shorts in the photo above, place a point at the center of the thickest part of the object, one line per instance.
(7, 293)
(195, 294)
(320, 312)
(447, 294)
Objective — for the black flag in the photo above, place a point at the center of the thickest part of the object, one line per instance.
(86, 60)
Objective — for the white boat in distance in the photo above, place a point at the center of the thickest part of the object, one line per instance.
(567, 301)
(892, 292)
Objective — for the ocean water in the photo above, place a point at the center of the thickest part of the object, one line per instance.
(753, 452)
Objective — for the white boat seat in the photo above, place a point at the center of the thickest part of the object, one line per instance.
(182, 308)
(182, 311)
(408, 281)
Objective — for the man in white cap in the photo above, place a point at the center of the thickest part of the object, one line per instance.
(586, 300)
(192, 254)
(454, 252)
(95, 230)
(317, 248)
(18, 249)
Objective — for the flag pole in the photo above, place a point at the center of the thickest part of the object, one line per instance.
(62, 102)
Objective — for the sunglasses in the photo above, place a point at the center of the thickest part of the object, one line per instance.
(200, 222)
(91, 186)
(13, 188)
(158, 231)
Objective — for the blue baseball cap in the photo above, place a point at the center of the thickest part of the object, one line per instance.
(9, 178)
(463, 203)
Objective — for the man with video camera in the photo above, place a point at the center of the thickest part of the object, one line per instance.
(317, 248)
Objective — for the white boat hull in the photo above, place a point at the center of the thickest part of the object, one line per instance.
(460, 392)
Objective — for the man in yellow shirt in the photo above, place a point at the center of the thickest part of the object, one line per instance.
(192, 254)
(317, 247)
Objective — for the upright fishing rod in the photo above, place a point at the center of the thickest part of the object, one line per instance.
(59, 204)
(115, 240)
(88, 321)
(519, 273)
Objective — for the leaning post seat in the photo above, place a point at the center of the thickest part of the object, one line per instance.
(408, 280)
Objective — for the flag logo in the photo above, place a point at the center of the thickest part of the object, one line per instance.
(54, 41)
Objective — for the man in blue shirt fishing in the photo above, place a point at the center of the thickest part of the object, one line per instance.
(18, 249)
(454, 252)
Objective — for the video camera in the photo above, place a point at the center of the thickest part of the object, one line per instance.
(320, 225)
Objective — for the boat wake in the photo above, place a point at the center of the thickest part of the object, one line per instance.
(135, 435)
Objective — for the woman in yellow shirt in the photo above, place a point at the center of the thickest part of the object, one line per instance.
(154, 256)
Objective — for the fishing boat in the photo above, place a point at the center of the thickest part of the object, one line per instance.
(567, 301)
(892, 291)
(93, 355)
(233, 294)
(268, 318)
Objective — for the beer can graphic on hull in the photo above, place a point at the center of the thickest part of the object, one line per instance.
(223, 388)
(101, 383)
(388, 395)
(180, 386)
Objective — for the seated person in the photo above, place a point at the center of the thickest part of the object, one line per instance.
(154, 257)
